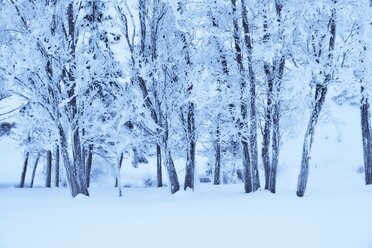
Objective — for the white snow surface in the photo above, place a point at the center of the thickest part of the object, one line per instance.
(221, 216)
(335, 212)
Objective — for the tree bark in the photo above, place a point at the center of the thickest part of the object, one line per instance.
(76, 179)
(169, 164)
(278, 68)
(275, 148)
(159, 174)
(57, 165)
(48, 171)
(321, 91)
(89, 163)
(118, 176)
(252, 99)
(247, 165)
(248, 182)
(265, 153)
(366, 136)
(24, 170)
(34, 171)
(190, 165)
(173, 179)
(220, 82)
(217, 163)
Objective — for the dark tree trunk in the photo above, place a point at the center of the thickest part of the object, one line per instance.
(118, 176)
(48, 171)
(265, 153)
(76, 179)
(275, 148)
(220, 81)
(89, 163)
(34, 171)
(217, 163)
(190, 121)
(279, 70)
(24, 170)
(247, 165)
(320, 95)
(159, 175)
(248, 183)
(190, 165)
(169, 164)
(252, 98)
(57, 165)
(274, 74)
(173, 179)
(366, 136)
(321, 91)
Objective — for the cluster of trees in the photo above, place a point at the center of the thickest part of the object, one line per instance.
(121, 78)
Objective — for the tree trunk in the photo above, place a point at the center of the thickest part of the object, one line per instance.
(265, 153)
(169, 164)
(57, 165)
(320, 95)
(279, 70)
(75, 169)
(366, 137)
(190, 165)
(76, 179)
(34, 172)
(248, 182)
(217, 163)
(220, 81)
(321, 91)
(159, 174)
(48, 171)
(173, 179)
(275, 148)
(24, 170)
(247, 165)
(118, 176)
(89, 163)
(252, 98)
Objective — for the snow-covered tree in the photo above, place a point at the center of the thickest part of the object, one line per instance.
(321, 33)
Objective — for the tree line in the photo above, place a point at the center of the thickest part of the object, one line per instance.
(228, 79)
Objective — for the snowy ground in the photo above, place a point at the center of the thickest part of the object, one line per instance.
(210, 217)
(335, 212)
